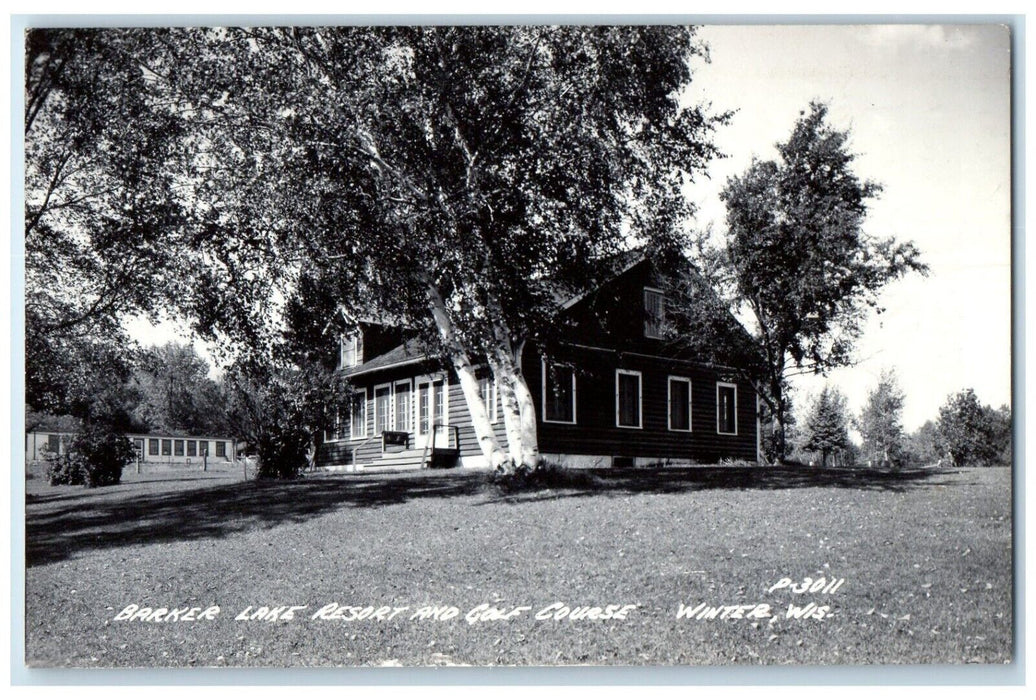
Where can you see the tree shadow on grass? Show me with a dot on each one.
(59, 527)
(577, 484)
(63, 525)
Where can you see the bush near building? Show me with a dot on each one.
(96, 457)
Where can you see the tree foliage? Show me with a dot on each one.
(96, 457)
(826, 428)
(972, 434)
(923, 446)
(446, 178)
(103, 214)
(83, 377)
(176, 393)
(281, 409)
(881, 422)
(797, 258)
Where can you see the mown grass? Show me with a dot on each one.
(925, 554)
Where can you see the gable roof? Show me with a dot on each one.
(410, 352)
(618, 265)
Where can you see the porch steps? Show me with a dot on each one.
(405, 459)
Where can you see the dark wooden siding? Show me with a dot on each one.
(596, 433)
(613, 316)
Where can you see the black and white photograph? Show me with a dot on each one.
(525, 344)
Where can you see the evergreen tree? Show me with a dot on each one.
(826, 429)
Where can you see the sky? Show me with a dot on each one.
(928, 108)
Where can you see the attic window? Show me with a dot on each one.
(352, 350)
(654, 312)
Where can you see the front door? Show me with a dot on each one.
(431, 409)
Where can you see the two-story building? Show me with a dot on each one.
(613, 391)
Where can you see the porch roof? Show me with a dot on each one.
(409, 353)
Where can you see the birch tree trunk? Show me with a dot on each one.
(512, 414)
(487, 441)
(524, 448)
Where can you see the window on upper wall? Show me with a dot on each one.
(559, 393)
(352, 350)
(726, 408)
(654, 312)
(679, 403)
(627, 399)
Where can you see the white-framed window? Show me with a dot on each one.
(487, 389)
(559, 393)
(382, 408)
(628, 399)
(726, 408)
(654, 312)
(680, 404)
(358, 415)
(351, 350)
(401, 406)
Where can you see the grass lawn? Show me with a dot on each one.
(925, 556)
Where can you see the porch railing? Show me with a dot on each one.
(356, 448)
(452, 440)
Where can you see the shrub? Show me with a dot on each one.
(95, 457)
(283, 454)
(66, 470)
(546, 475)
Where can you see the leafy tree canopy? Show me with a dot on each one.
(796, 257)
(176, 393)
(881, 421)
(446, 178)
(102, 210)
(973, 434)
